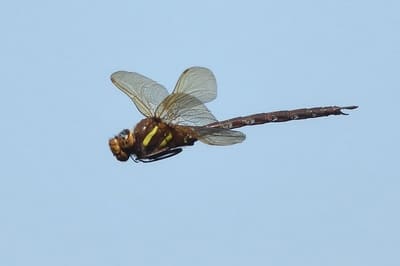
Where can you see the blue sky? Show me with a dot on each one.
(315, 192)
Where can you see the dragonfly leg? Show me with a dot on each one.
(159, 155)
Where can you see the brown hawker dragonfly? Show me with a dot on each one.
(181, 118)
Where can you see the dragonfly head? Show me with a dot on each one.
(122, 145)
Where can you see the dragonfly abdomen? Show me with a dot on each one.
(280, 116)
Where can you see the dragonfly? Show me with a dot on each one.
(181, 118)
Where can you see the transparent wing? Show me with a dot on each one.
(144, 92)
(219, 136)
(199, 82)
(185, 106)
(184, 109)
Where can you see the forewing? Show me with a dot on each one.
(144, 92)
(184, 109)
(199, 82)
(219, 136)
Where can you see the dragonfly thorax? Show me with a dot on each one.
(152, 137)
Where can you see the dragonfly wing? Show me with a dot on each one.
(185, 106)
(144, 92)
(219, 136)
(184, 109)
(199, 82)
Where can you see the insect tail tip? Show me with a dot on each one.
(352, 107)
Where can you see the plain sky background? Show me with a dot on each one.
(313, 192)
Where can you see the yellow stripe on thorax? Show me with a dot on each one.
(166, 140)
(149, 136)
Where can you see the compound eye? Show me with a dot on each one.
(126, 139)
(124, 134)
